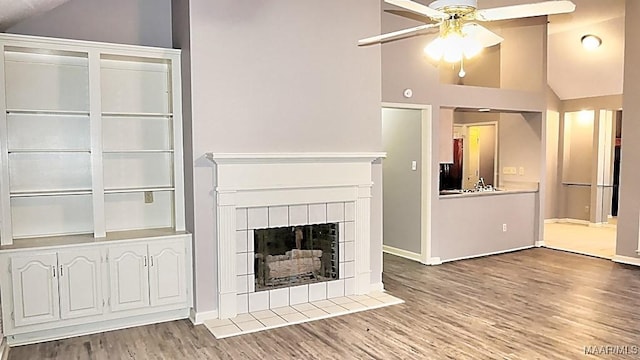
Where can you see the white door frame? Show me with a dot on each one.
(425, 174)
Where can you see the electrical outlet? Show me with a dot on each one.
(586, 209)
(414, 165)
(148, 197)
(504, 227)
(521, 171)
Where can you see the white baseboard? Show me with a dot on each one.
(578, 222)
(402, 253)
(97, 327)
(434, 261)
(574, 221)
(626, 260)
(487, 254)
(377, 287)
(198, 318)
(539, 243)
(603, 225)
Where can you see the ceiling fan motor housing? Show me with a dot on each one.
(457, 7)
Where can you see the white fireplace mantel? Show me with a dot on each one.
(247, 180)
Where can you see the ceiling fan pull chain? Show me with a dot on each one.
(462, 73)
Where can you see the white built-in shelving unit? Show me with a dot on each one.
(92, 228)
(91, 139)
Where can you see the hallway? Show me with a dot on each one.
(581, 239)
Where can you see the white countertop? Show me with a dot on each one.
(488, 193)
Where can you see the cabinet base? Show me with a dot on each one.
(98, 327)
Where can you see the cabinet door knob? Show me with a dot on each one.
(145, 261)
(61, 271)
(53, 268)
(151, 258)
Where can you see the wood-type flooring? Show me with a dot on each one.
(531, 304)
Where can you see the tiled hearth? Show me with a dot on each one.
(256, 191)
(297, 314)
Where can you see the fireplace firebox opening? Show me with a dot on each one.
(295, 255)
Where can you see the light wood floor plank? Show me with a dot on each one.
(532, 304)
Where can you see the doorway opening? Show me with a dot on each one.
(589, 166)
(406, 138)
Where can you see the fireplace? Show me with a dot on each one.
(295, 255)
(320, 203)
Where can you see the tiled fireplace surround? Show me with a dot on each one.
(248, 219)
(255, 191)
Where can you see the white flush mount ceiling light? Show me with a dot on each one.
(591, 42)
(459, 37)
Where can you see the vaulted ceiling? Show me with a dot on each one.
(572, 71)
(13, 11)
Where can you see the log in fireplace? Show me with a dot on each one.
(295, 255)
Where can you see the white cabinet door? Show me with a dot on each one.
(35, 288)
(167, 280)
(80, 278)
(129, 281)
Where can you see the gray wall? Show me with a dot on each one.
(279, 76)
(473, 225)
(570, 201)
(627, 240)
(401, 139)
(521, 146)
(577, 161)
(135, 22)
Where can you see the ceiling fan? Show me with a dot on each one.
(459, 38)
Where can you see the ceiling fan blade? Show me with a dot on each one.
(485, 36)
(419, 9)
(395, 34)
(526, 10)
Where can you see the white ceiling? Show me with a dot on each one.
(572, 72)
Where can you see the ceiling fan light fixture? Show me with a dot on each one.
(453, 47)
(591, 42)
(435, 49)
(472, 47)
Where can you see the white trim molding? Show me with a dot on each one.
(539, 243)
(578, 222)
(198, 318)
(626, 260)
(434, 261)
(488, 254)
(377, 287)
(253, 180)
(401, 253)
